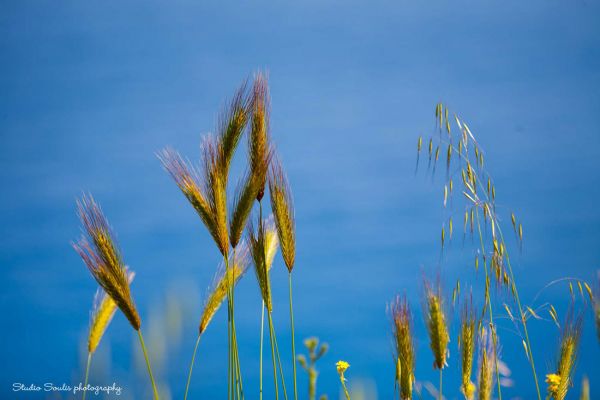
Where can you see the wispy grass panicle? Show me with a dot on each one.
(215, 187)
(223, 279)
(258, 142)
(466, 344)
(404, 345)
(102, 257)
(437, 327)
(263, 245)
(561, 380)
(283, 210)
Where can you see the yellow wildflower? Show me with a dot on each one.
(342, 366)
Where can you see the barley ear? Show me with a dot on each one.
(283, 210)
(103, 258)
(258, 144)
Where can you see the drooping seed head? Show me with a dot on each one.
(103, 258)
(231, 125)
(283, 210)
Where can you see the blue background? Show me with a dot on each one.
(92, 90)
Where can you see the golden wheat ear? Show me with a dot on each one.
(246, 192)
(223, 280)
(263, 246)
(283, 210)
(102, 314)
(466, 345)
(103, 258)
(561, 381)
(258, 141)
(404, 346)
(215, 189)
(231, 125)
(436, 325)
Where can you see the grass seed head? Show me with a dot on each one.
(259, 132)
(404, 345)
(283, 210)
(263, 245)
(436, 325)
(103, 258)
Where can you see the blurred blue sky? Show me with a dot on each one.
(91, 90)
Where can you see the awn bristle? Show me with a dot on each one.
(259, 132)
(237, 268)
(283, 210)
(101, 315)
(102, 257)
(404, 344)
(560, 381)
(215, 186)
(436, 326)
(263, 245)
(466, 344)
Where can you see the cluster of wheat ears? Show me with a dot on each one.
(205, 187)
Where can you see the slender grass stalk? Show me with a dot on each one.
(154, 389)
(87, 372)
(293, 338)
(260, 362)
(487, 279)
(280, 366)
(341, 367)
(187, 385)
(271, 336)
(441, 375)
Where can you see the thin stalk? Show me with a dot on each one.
(441, 374)
(154, 390)
(236, 359)
(514, 286)
(523, 320)
(280, 365)
(189, 378)
(271, 334)
(87, 372)
(260, 362)
(345, 388)
(485, 267)
(293, 339)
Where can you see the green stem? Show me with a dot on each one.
(260, 363)
(487, 279)
(271, 334)
(345, 388)
(236, 359)
(280, 366)
(189, 378)
(441, 374)
(87, 372)
(293, 339)
(154, 389)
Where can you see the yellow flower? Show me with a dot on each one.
(553, 381)
(342, 366)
